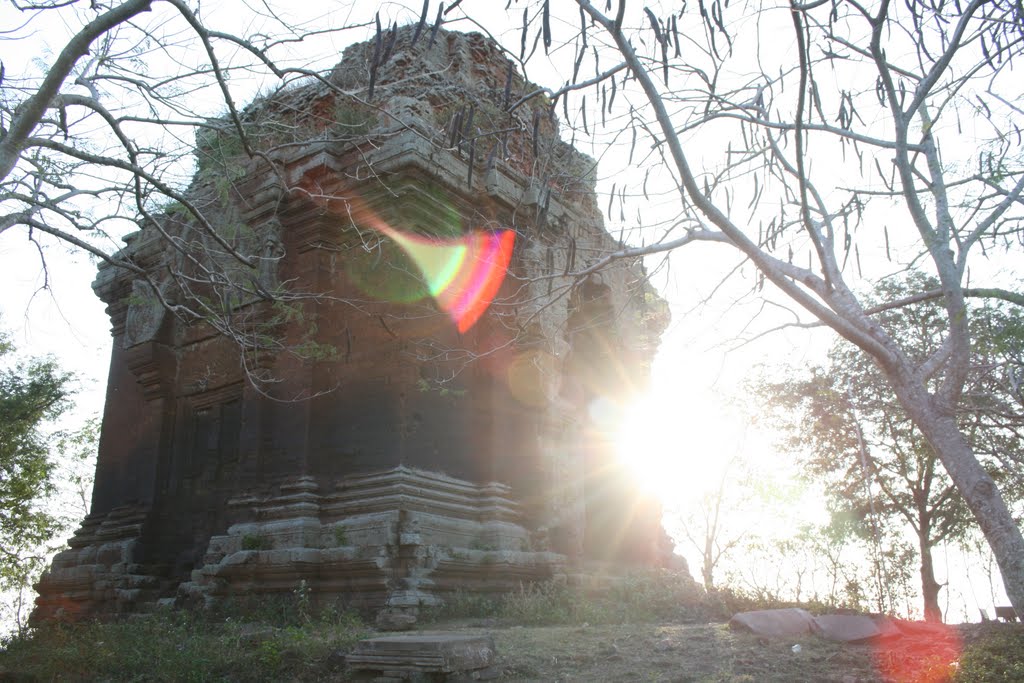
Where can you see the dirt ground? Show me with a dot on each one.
(684, 653)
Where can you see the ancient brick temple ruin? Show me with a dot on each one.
(381, 456)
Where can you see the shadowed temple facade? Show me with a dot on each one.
(404, 393)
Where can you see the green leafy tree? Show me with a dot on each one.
(878, 469)
(77, 467)
(32, 394)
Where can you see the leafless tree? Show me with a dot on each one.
(107, 136)
(708, 526)
(805, 134)
(136, 124)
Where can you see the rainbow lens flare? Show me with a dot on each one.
(464, 273)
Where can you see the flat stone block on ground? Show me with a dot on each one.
(854, 628)
(774, 623)
(423, 653)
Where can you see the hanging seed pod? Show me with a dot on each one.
(536, 134)
(390, 45)
(455, 134)
(507, 100)
(522, 45)
(654, 25)
(617, 26)
(570, 259)
(422, 22)
(546, 24)
(375, 60)
(437, 25)
(467, 130)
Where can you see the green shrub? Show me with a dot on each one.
(552, 602)
(298, 607)
(256, 542)
(641, 597)
(353, 120)
(996, 657)
(464, 605)
(655, 595)
(721, 604)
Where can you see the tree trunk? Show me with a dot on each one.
(972, 481)
(708, 569)
(929, 586)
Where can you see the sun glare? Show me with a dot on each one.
(675, 447)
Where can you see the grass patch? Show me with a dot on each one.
(640, 598)
(996, 655)
(183, 646)
(643, 597)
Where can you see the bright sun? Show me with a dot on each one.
(677, 446)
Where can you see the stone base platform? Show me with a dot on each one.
(389, 542)
(101, 567)
(424, 657)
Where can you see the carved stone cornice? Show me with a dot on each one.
(152, 364)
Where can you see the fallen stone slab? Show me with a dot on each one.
(424, 656)
(774, 623)
(854, 628)
(923, 629)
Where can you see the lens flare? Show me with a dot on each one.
(926, 653)
(463, 274)
(463, 271)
